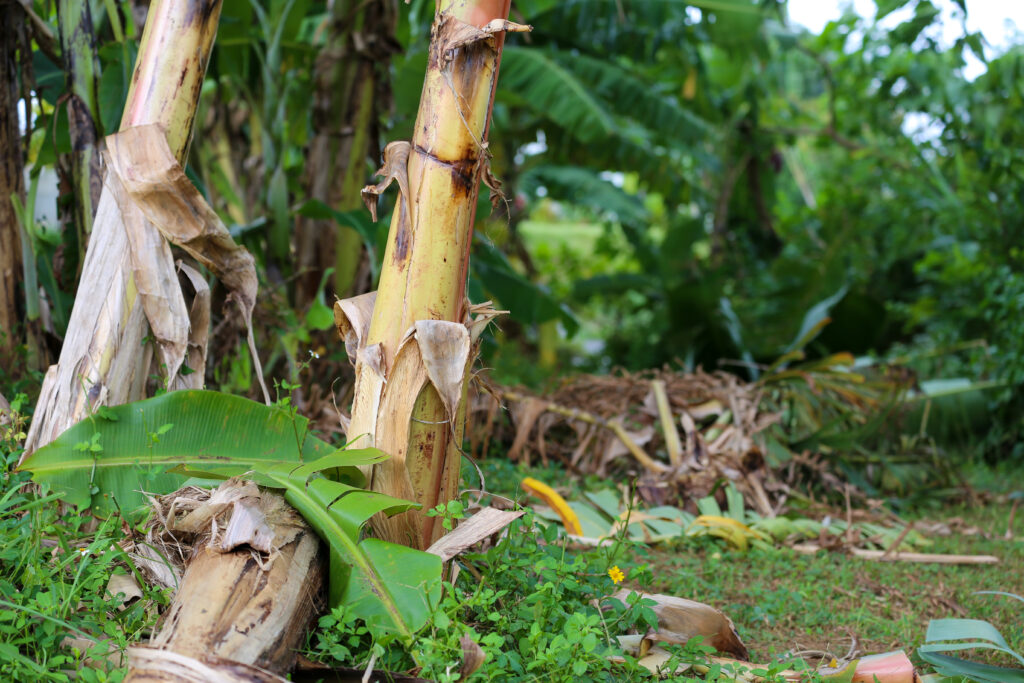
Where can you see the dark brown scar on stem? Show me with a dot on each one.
(200, 12)
(464, 171)
(402, 238)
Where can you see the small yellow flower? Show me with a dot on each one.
(616, 575)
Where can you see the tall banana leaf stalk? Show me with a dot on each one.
(13, 40)
(100, 362)
(413, 341)
(81, 64)
(350, 91)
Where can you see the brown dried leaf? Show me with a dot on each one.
(155, 567)
(156, 182)
(444, 348)
(124, 584)
(153, 271)
(453, 34)
(524, 414)
(473, 657)
(479, 316)
(759, 499)
(395, 168)
(585, 434)
(616, 448)
(373, 358)
(485, 523)
(248, 526)
(201, 515)
(694, 446)
(199, 330)
(352, 318)
(492, 182)
(141, 161)
(680, 619)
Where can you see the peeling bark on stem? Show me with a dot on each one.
(247, 595)
(398, 404)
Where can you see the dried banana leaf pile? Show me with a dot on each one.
(683, 434)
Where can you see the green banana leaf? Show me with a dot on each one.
(959, 669)
(978, 634)
(391, 587)
(108, 460)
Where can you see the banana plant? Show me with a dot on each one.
(109, 461)
(410, 342)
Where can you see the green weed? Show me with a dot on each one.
(57, 620)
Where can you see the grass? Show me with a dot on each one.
(781, 601)
(56, 613)
(529, 601)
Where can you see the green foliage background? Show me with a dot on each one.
(686, 183)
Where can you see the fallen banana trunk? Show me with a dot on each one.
(253, 586)
(152, 665)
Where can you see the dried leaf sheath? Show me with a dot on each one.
(153, 192)
(247, 595)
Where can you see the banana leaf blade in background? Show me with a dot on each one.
(107, 461)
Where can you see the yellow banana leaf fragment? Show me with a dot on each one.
(541, 490)
(738, 534)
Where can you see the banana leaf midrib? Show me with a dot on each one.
(114, 462)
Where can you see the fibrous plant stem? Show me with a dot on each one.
(423, 275)
(350, 89)
(12, 41)
(81, 66)
(102, 361)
